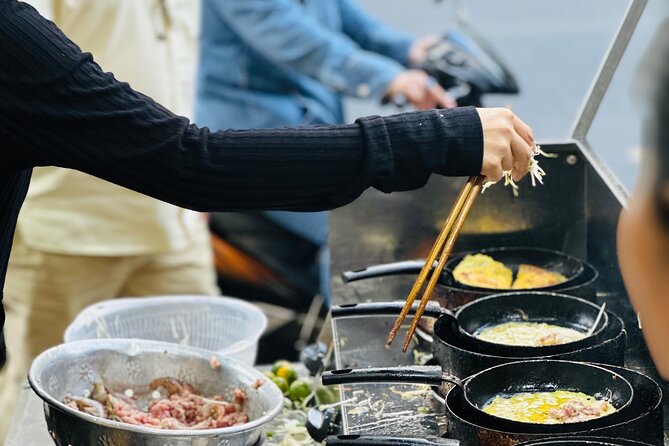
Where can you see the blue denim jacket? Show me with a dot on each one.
(277, 63)
(274, 63)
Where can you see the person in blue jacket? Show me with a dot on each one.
(277, 63)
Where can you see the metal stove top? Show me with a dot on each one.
(575, 211)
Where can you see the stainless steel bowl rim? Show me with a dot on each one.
(134, 346)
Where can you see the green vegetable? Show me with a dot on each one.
(327, 396)
(286, 372)
(281, 383)
(280, 363)
(299, 390)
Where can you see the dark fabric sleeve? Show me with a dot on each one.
(57, 107)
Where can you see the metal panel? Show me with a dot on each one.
(575, 211)
(380, 228)
(608, 69)
(596, 95)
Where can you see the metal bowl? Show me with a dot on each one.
(124, 363)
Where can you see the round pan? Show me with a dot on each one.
(457, 359)
(371, 440)
(498, 309)
(512, 257)
(450, 294)
(538, 307)
(516, 377)
(642, 420)
(583, 441)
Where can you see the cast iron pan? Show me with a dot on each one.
(517, 377)
(346, 440)
(468, 320)
(554, 261)
(512, 257)
(373, 440)
(450, 294)
(457, 359)
(642, 420)
(583, 441)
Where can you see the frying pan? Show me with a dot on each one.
(517, 377)
(642, 420)
(512, 257)
(497, 309)
(374, 440)
(451, 294)
(457, 359)
(344, 440)
(583, 441)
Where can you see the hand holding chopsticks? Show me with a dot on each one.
(508, 147)
(441, 250)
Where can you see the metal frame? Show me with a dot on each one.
(596, 95)
(576, 211)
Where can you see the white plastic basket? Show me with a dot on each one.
(227, 326)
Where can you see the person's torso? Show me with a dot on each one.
(151, 44)
(239, 88)
(13, 187)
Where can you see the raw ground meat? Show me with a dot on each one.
(177, 406)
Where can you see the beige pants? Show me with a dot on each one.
(44, 292)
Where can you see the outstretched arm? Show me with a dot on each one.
(57, 107)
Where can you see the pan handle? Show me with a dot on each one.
(386, 269)
(374, 440)
(430, 375)
(433, 309)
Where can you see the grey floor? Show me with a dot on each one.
(554, 48)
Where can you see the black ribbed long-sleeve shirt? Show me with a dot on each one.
(58, 108)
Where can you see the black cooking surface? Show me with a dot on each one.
(575, 212)
(386, 409)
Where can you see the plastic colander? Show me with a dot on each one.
(227, 326)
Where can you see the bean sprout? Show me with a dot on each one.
(536, 172)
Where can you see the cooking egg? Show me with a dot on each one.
(529, 334)
(561, 406)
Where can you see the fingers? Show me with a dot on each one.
(418, 96)
(439, 97)
(522, 153)
(421, 90)
(507, 144)
(419, 50)
(493, 171)
(507, 163)
(523, 130)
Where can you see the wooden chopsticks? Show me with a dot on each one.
(442, 249)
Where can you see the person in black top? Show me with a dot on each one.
(57, 107)
(643, 229)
